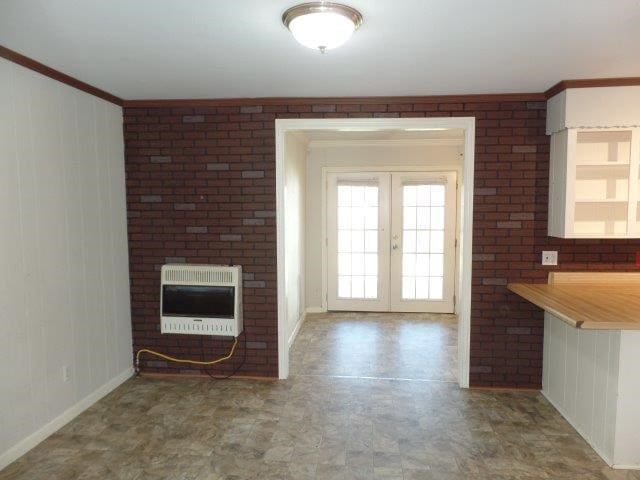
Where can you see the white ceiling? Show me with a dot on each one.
(140, 49)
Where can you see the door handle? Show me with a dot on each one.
(394, 246)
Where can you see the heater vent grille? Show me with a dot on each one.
(198, 274)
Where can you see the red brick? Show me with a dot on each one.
(209, 158)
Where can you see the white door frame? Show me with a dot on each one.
(435, 167)
(466, 217)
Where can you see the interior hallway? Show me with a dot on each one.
(418, 346)
(348, 412)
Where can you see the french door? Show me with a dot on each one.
(391, 241)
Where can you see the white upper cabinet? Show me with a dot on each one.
(594, 174)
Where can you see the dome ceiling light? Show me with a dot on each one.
(322, 25)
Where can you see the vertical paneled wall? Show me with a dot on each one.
(64, 291)
(580, 378)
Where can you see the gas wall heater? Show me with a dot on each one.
(201, 299)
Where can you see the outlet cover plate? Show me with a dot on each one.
(549, 257)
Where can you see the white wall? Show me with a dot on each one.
(361, 156)
(294, 231)
(64, 295)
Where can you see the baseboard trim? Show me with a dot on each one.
(315, 310)
(61, 420)
(626, 467)
(296, 330)
(183, 376)
(504, 389)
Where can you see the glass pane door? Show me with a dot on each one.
(423, 242)
(391, 241)
(357, 240)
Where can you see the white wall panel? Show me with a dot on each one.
(572, 366)
(557, 355)
(64, 299)
(585, 385)
(615, 365)
(581, 380)
(545, 352)
(601, 396)
(627, 421)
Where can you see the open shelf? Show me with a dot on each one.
(593, 177)
(603, 147)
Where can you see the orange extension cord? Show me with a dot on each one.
(181, 360)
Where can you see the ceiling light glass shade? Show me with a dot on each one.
(322, 25)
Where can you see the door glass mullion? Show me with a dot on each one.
(423, 213)
(358, 210)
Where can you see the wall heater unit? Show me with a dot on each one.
(201, 299)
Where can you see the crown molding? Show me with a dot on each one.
(223, 102)
(41, 68)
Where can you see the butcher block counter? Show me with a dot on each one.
(591, 357)
(604, 306)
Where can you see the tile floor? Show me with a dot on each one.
(382, 345)
(338, 417)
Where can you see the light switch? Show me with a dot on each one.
(549, 257)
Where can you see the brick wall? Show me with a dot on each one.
(201, 189)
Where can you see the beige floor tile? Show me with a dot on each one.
(370, 397)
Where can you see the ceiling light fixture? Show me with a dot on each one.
(322, 25)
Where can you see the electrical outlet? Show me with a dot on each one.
(65, 373)
(549, 257)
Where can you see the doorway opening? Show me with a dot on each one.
(387, 232)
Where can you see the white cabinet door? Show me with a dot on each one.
(391, 241)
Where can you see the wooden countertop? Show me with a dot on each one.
(594, 306)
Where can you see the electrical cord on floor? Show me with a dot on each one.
(182, 360)
(235, 370)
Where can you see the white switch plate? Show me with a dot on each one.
(65, 373)
(549, 257)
